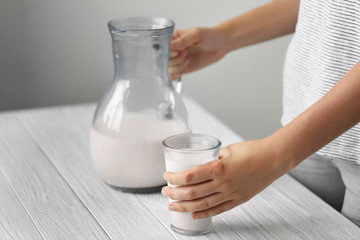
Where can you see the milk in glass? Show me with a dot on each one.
(178, 163)
(182, 152)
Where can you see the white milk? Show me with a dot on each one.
(133, 157)
(177, 162)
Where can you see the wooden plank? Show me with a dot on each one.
(263, 217)
(256, 220)
(52, 205)
(157, 204)
(121, 214)
(15, 223)
(307, 211)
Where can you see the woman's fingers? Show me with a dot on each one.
(189, 192)
(174, 76)
(176, 71)
(220, 208)
(178, 65)
(196, 174)
(183, 39)
(176, 34)
(178, 59)
(174, 54)
(199, 204)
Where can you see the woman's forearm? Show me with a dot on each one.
(336, 112)
(272, 20)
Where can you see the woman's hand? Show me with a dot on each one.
(243, 170)
(195, 48)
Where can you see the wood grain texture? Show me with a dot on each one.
(309, 211)
(255, 220)
(15, 223)
(157, 204)
(65, 142)
(285, 210)
(258, 219)
(51, 203)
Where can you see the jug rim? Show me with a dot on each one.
(129, 25)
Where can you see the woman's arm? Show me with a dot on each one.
(247, 168)
(336, 112)
(272, 20)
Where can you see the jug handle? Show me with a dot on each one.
(177, 85)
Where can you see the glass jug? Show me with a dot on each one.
(141, 107)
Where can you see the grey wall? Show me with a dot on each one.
(59, 52)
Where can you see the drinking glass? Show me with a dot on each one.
(182, 152)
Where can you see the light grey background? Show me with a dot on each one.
(59, 52)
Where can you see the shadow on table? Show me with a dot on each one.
(139, 190)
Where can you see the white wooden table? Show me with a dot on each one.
(49, 190)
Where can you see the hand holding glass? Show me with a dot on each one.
(182, 152)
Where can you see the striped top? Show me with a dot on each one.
(325, 46)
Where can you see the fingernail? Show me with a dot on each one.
(165, 175)
(174, 54)
(195, 216)
(172, 207)
(175, 76)
(175, 43)
(163, 191)
(186, 62)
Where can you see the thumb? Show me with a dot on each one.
(189, 38)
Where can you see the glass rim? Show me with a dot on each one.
(166, 146)
(123, 25)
